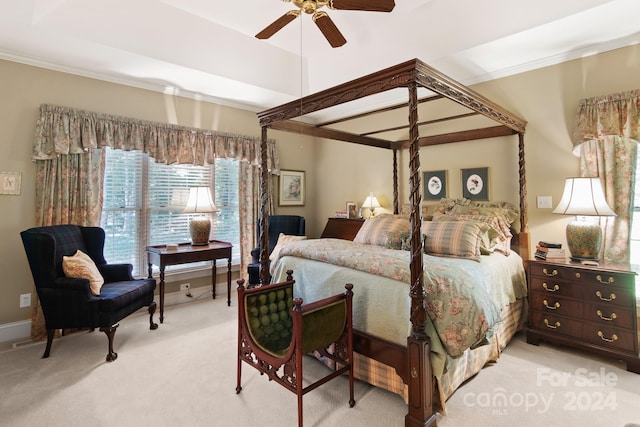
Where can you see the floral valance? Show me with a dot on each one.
(610, 115)
(63, 130)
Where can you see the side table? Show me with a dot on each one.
(187, 253)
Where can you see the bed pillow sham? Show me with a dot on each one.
(383, 230)
(500, 243)
(283, 240)
(499, 236)
(457, 239)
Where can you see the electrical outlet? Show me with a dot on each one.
(25, 300)
(185, 287)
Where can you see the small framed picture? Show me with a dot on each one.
(352, 210)
(291, 188)
(10, 183)
(435, 185)
(475, 183)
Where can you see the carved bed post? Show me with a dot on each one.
(264, 210)
(523, 242)
(418, 343)
(396, 202)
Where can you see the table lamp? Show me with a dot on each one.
(371, 202)
(200, 226)
(584, 197)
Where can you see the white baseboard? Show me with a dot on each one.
(20, 331)
(15, 331)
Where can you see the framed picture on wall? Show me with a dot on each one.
(475, 183)
(434, 184)
(10, 183)
(291, 188)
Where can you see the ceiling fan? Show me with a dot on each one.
(321, 18)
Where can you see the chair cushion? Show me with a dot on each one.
(81, 266)
(116, 295)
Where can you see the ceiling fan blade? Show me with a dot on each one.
(329, 29)
(278, 24)
(367, 5)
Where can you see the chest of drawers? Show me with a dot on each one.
(588, 307)
(342, 228)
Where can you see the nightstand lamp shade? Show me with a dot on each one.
(584, 197)
(200, 226)
(371, 203)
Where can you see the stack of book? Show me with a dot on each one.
(550, 252)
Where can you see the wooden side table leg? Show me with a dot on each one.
(229, 282)
(161, 294)
(213, 278)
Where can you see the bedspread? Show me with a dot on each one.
(463, 298)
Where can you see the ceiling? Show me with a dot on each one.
(206, 49)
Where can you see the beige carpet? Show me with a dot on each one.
(184, 374)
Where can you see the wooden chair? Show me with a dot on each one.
(275, 331)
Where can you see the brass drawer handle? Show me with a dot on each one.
(551, 307)
(612, 317)
(555, 326)
(611, 297)
(546, 288)
(553, 273)
(613, 338)
(609, 281)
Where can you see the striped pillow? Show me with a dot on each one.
(383, 230)
(502, 241)
(457, 239)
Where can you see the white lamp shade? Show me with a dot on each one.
(371, 202)
(200, 201)
(583, 197)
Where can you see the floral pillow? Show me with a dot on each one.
(283, 240)
(81, 266)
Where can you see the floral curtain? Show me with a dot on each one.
(606, 139)
(249, 212)
(70, 164)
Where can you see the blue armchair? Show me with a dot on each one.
(292, 225)
(68, 303)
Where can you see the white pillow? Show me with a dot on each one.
(81, 266)
(283, 240)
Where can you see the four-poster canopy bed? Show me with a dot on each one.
(412, 360)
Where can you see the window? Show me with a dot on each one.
(143, 203)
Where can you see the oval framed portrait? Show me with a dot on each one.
(434, 185)
(475, 183)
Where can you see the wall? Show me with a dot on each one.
(547, 98)
(336, 172)
(24, 88)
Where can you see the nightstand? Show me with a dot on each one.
(587, 307)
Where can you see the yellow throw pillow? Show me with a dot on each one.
(283, 240)
(81, 266)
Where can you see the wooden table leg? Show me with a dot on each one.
(213, 278)
(229, 282)
(161, 294)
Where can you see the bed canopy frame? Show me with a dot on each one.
(411, 362)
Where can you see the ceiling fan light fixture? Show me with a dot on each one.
(321, 19)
